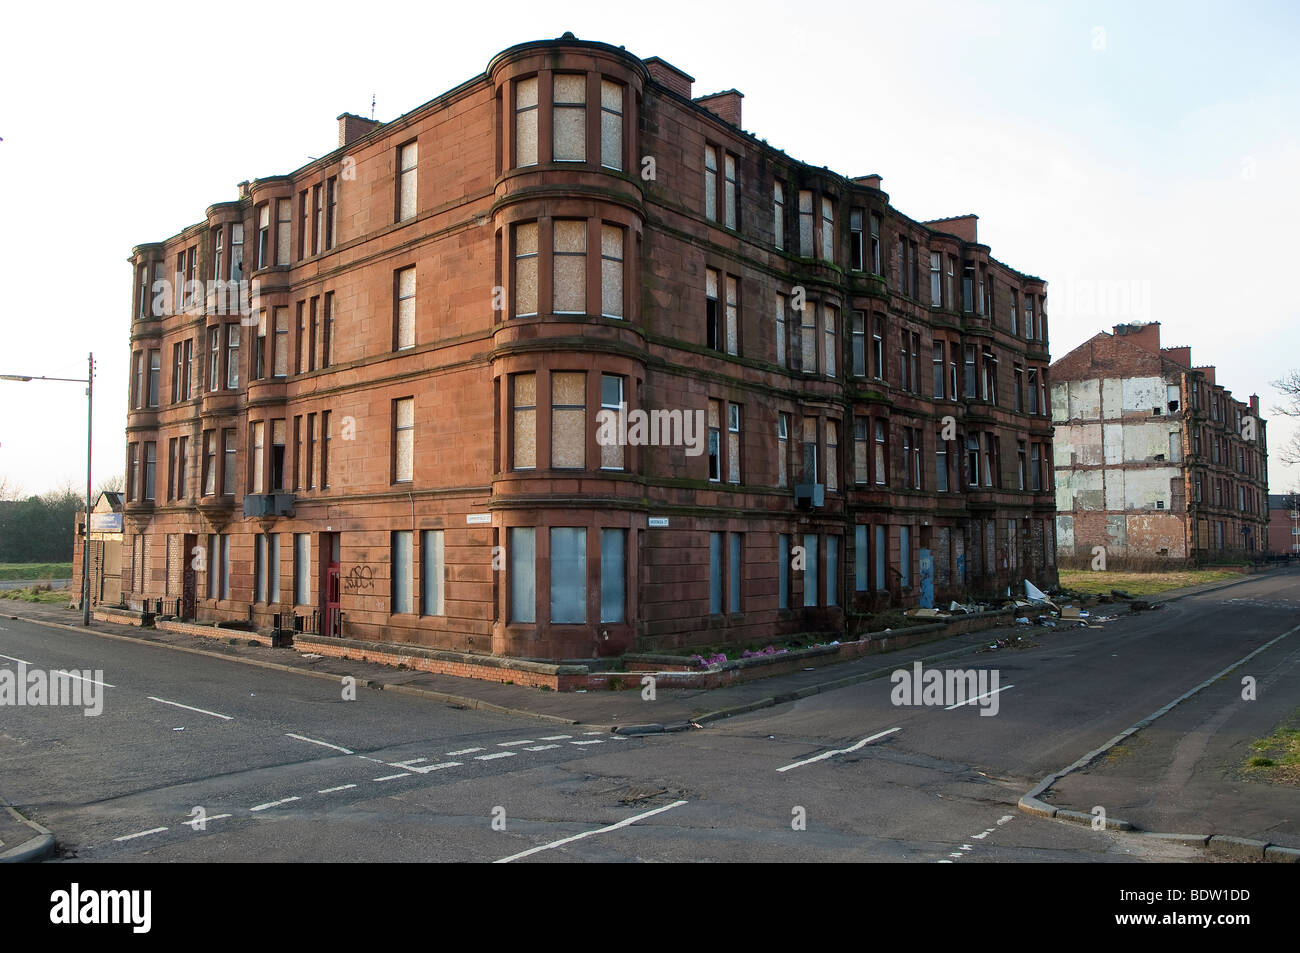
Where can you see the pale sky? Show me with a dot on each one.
(1150, 148)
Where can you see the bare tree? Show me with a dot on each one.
(9, 489)
(113, 484)
(1290, 388)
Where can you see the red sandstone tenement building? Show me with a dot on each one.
(1284, 524)
(402, 433)
(1154, 459)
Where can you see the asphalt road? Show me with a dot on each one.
(284, 768)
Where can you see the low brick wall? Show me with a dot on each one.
(669, 671)
(491, 668)
(120, 616)
(212, 631)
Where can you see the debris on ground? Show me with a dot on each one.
(1120, 594)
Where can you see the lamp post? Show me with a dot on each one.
(89, 381)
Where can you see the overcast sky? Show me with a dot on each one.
(1144, 147)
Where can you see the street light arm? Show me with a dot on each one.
(26, 377)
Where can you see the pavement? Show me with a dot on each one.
(915, 791)
(674, 709)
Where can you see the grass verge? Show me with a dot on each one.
(1140, 583)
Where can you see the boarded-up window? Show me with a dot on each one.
(280, 345)
(782, 449)
(283, 218)
(832, 456)
(526, 121)
(828, 230)
(525, 269)
(611, 271)
(861, 462)
(711, 183)
(733, 316)
(431, 572)
(525, 420)
(613, 575)
(569, 263)
(611, 125)
(403, 440)
(780, 330)
(778, 214)
(568, 574)
(733, 443)
(729, 189)
(404, 319)
(832, 341)
(259, 457)
(402, 569)
(569, 120)
(408, 158)
(568, 412)
(808, 338)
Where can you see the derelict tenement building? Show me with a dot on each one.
(1155, 460)
(402, 431)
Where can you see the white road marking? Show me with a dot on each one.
(955, 854)
(452, 754)
(391, 777)
(215, 817)
(368, 758)
(283, 800)
(12, 659)
(313, 741)
(425, 769)
(603, 830)
(201, 711)
(593, 732)
(83, 678)
(594, 741)
(828, 754)
(499, 754)
(156, 830)
(556, 737)
(978, 697)
(341, 787)
(511, 744)
(541, 747)
(406, 764)
(1004, 818)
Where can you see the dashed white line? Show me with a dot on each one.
(155, 830)
(407, 764)
(828, 754)
(593, 732)
(341, 787)
(268, 804)
(498, 754)
(1004, 818)
(978, 697)
(201, 711)
(511, 744)
(541, 747)
(313, 741)
(425, 769)
(556, 737)
(24, 662)
(452, 754)
(83, 678)
(392, 777)
(569, 840)
(206, 820)
(594, 741)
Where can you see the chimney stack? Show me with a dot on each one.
(725, 105)
(670, 77)
(353, 127)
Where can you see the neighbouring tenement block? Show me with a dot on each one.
(564, 363)
(1154, 460)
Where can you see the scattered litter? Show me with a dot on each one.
(312, 655)
(1033, 593)
(925, 613)
(809, 669)
(1047, 623)
(1022, 621)
(1120, 594)
(178, 729)
(581, 691)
